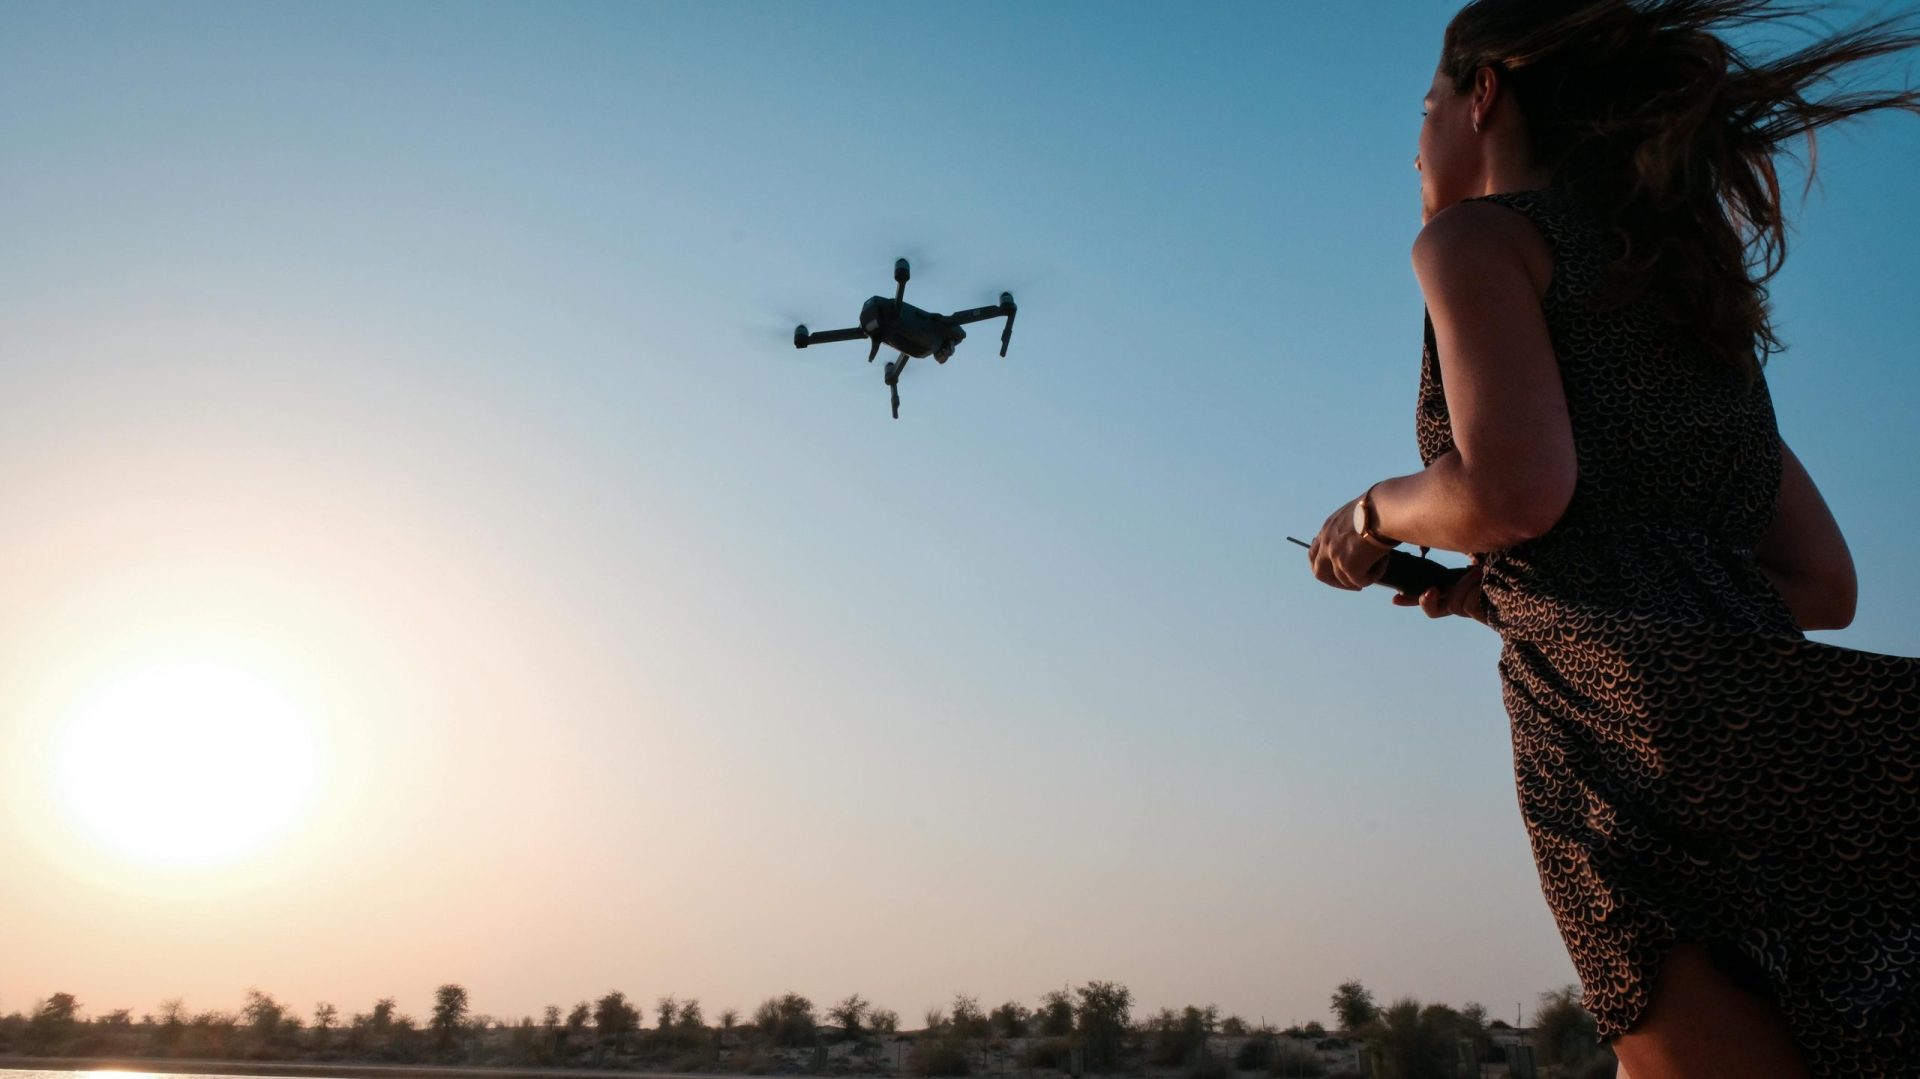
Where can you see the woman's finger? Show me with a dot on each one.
(1432, 602)
(1457, 598)
(1327, 572)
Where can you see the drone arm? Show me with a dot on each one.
(801, 338)
(1006, 307)
(977, 314)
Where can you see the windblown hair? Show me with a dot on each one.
(1639, 110)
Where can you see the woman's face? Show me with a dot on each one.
(1448, 161)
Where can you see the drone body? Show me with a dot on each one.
(909, 330)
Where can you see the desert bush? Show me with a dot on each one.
(938, 1054)
(787, 1021)
(1294, 1060)
(1353, 1005)
(1055, 1015)
(851, 1016)
(1256, 1053)
(1564, 1030)
(1048, 1053)
(1209, 1066)
(1102, 1016)
(1411, 1042)
(1010, 1020)
(1177, 1037)
(688, 1062)
(54, 1026)
(967, 1020)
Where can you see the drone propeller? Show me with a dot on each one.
(771, 326)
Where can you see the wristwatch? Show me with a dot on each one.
(1364, 522)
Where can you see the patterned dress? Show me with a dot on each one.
(1689, 766)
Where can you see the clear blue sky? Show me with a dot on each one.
(447, 346)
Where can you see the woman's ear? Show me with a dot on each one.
(1487, 85)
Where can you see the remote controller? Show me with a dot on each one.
(1410, 574)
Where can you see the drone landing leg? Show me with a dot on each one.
(894, 371)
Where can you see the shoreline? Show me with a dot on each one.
(343, 1069)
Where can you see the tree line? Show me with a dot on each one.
(1091, 1028)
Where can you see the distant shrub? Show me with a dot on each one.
(1010, 1020)
(1210, 1066)
(967, 1019)
(1256, 1053)
(1292, 1060)
(786, 1021)
(1048, 1053)
(1179, 1037)
(938, 1055)
(1564, 1030)
(1055, 1015)
(1102, 1016)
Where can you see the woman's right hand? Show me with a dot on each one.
(1462, 598)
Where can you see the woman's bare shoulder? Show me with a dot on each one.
(1471, 232)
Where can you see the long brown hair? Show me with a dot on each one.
(1640, 111)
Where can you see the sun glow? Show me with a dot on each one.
(186, 764)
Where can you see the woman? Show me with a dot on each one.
(1725, 816)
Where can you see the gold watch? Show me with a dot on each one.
(1364, 522)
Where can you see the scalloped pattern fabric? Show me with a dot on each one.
(1689, 766)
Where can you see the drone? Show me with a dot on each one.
(915, 333)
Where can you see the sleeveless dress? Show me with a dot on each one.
(1689, 766)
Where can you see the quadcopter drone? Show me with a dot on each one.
(900, 325)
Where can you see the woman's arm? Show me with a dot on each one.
(1511, 472)
(1804, 555)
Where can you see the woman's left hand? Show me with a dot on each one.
(1341, 558)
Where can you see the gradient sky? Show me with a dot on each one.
(434, 359)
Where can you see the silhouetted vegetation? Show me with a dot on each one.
(786, 1021)
(613, 1020)
(1054, 1017)
(1074, 1030)
(1181, 1037)
(850, 1015)
(1353, 1006)
(1564, 1030)
(1101, 1018)
(966, 1021)
(939, 1051)
(449, 1016)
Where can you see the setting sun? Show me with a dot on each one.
(186, 764)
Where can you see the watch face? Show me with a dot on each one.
(1360, 517)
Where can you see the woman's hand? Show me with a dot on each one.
(1343, 559)
(1462, 598)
